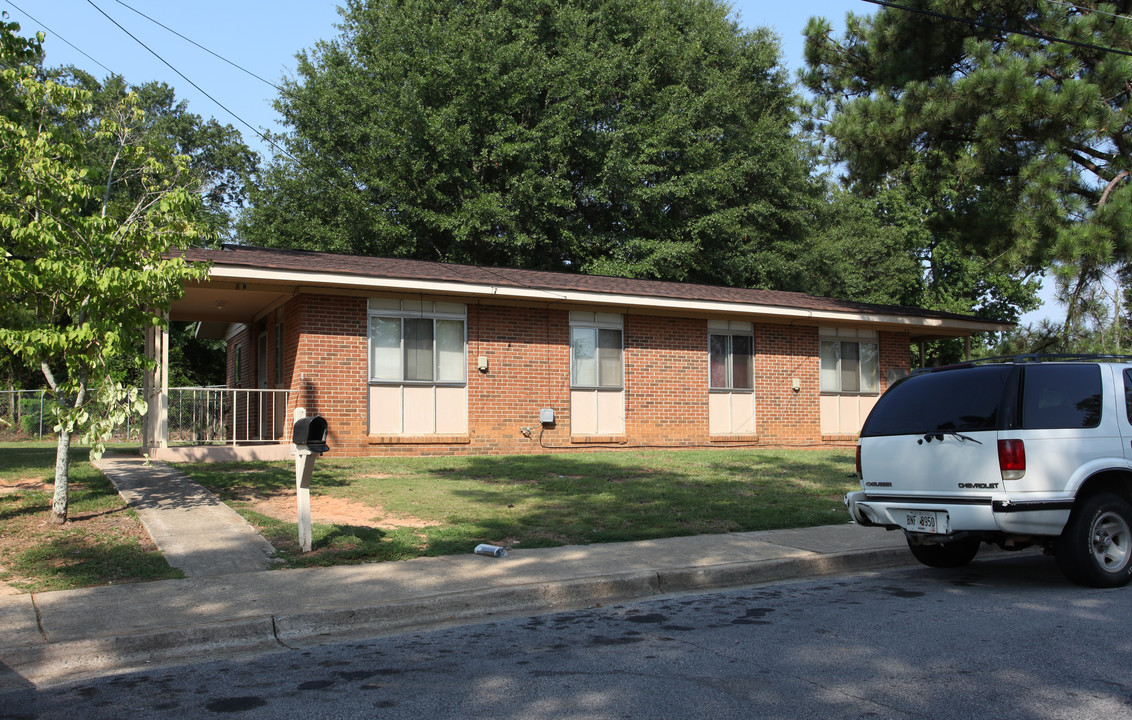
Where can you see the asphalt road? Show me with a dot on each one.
(1003, 638)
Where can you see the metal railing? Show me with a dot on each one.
(220, 415)
(197, 416)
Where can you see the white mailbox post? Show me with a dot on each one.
(309, 440)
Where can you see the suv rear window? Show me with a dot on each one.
(1061, 396)
(960, 400)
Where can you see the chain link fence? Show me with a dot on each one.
(25, 414)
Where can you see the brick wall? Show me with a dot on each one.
(241, 340)
(895, 354)
(528, 368)
(666, 378)
(528, 358)
(328, 337)
(784, 353)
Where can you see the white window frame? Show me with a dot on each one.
(597, 322)
(732, 329)
(402, 310)
(831, 379)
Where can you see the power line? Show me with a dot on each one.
(184, 77)
(1075, 6)
(55, 34)
(202, 47)
(280, 90)
(1000, 28)
(202, 91)
(329, 182)
(317, 173)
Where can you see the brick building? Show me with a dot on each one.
(409, 357)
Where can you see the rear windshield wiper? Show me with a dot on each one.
(939, 435)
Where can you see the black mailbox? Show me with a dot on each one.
(311, 433)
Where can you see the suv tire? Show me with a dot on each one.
(956, 553)
(1096, 547)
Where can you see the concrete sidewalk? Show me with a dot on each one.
(194, 530)
(53, 636)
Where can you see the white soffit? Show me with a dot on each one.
(358, 282)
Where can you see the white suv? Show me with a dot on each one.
(1030, 450)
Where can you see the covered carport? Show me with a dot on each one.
(222, 302)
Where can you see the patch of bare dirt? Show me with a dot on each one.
(8, 485)
(328, 509)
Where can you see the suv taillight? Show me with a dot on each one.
(858, 461)
(1012, 459)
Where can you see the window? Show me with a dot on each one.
(731, 402)
(1061, 396)
(961, 400)
(418, 346)
(849, 365)
(595, 350)
(1128, 394)
(239, 364)
(597, 374)
(417, 361)
(730, 353)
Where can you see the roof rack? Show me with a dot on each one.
(1031, 358)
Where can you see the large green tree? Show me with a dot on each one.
(83, 239)
(220, 165)
(647, 138)
(1010, 118)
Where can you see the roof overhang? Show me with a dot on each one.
(239, 293)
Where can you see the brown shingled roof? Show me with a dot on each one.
(363, 266)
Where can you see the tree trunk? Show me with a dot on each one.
(62, 474)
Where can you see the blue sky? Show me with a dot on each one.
(263, 37)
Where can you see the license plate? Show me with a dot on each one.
(924, 521)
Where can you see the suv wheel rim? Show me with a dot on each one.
(1110, 538)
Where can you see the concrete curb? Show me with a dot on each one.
(56, 662)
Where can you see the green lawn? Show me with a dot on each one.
(103, 543)
(543, 500)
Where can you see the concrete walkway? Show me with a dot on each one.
(227, 606)
(196, 532)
